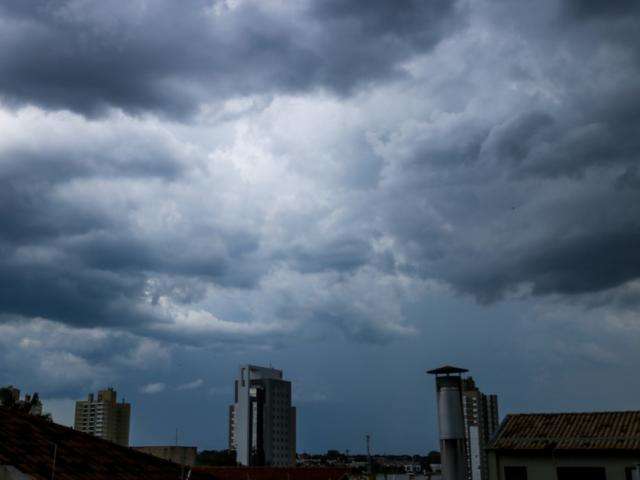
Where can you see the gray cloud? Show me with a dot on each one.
(165, 57)
(507, 175)
(219, 182)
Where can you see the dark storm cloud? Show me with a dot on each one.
(546, 197)
(587, 9)
(124, 251)
(71, 253)
(601, 134)
(68, 293)
(535, 190)
(549, 203)
(341, 255)
(168, 57)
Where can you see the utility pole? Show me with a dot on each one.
(55, 454)
(370, 466)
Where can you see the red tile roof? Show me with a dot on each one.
(570, 431)
(271, 473)
(27, 443)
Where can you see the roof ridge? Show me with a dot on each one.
(596, 412)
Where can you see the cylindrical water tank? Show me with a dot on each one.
(450, 418)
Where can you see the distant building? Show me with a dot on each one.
(567, 446)
(104, 417)
(481, 421)
(173, 453)
(10, 397)
(262, 422)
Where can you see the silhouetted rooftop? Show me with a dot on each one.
(273, 473)
(28, 443)
(447, 370)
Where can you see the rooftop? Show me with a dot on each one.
(447, 370)
(270, 473)
(28, 445)
(569, 431)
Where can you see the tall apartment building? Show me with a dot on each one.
(481, 421)
(104, 417)
(262, 422)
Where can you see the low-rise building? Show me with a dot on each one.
(173, 453)
(566, 446)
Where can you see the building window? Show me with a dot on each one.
(515, 473)
(628, 473)
(581, 473)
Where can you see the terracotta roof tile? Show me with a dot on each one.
(28, 444)
(569, 431)
(267, 473)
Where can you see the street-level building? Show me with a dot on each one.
(567, 446)
(262, 422)
(104, 417)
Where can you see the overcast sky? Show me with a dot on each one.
(351, 190)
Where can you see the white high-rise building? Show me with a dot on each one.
(262, 422)
(481, 421)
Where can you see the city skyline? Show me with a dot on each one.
(353, 191)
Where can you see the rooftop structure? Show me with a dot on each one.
(451, 421)
(567, 446)
(447, 370)
(570, 431)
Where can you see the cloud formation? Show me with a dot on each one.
(246, 173)
(153, 388)
(168, 58)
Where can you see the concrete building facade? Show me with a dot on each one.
(104, 417)
(262, 421)
(481, 421)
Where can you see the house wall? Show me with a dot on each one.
(8, 472)
(542, 465)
